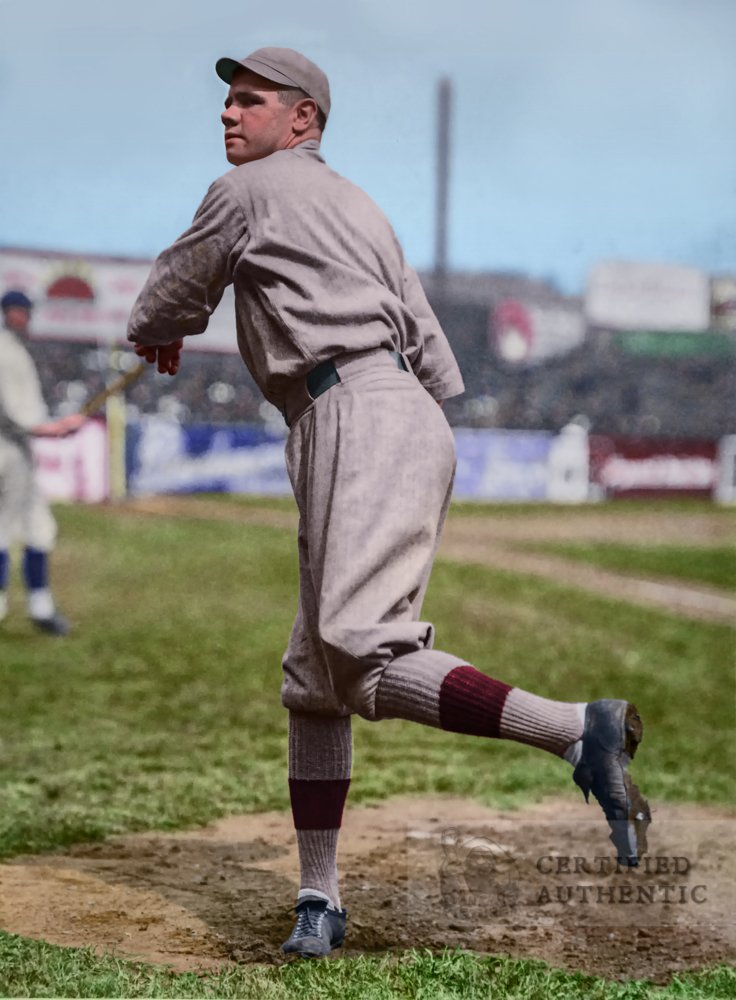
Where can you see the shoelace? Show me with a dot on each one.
(309, 923)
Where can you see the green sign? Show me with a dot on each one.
(676, 344)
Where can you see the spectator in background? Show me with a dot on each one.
(24, 513)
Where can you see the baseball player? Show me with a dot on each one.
(24, 513)
(336, 331)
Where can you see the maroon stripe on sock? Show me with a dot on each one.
(318, 805)
(472, 703)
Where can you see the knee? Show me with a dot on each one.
(355, 666)
(335, 640)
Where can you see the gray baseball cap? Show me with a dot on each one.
(285, 66)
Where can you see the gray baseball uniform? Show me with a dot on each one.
(319, 275)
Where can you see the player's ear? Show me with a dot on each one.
(304, 115)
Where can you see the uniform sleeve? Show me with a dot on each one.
(187, 280)
(428, 349)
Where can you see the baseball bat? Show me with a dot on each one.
(100, 398)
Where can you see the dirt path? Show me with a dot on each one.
(493, 540)
(444, 871)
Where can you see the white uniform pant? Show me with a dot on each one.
(371, 463)
(24, 512)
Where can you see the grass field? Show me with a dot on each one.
(29, 968)
(162, 710)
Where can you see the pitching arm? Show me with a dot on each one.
(187, 280)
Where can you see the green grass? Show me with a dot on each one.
(163, 707)
(715, 566)
(162, 710)
(30, 968)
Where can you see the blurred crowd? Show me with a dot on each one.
(617, 392)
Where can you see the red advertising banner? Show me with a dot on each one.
(647, 467)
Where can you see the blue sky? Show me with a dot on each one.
(582, 129)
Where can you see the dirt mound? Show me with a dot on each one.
(539, 882)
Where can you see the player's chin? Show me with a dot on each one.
(236, 154)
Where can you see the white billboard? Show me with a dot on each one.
(74, 468)
(88, 298)
(628, 296)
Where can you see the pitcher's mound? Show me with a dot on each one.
(416, 873)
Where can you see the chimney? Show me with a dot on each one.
(444, 98)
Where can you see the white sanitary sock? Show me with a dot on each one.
(41, 603)
(316, 894)
(574, 751)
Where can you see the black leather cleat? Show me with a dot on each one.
(55, 625)
(613, 731)
(319, 929)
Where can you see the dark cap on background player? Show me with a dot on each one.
(14, 299)
(284, 66)
(16, 309)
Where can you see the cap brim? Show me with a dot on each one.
(225, 68)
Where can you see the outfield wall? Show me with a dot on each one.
(163, 456)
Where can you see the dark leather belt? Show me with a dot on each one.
(303, 392)
(324, 376)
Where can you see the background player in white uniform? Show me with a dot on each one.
(336, 330)
(25, 517)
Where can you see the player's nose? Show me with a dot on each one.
(229, 117)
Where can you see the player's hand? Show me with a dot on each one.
(166, 356)
(62, 427)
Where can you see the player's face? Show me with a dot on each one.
(256, 122)
(16, 318)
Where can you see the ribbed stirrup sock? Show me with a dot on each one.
(437, 689)
(320, 759)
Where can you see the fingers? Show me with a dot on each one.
(149, 353)
(166, 357)
(169, 358)
(62, 427)
(71, 424)
(75, 421)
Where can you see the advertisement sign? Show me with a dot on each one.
(501, 465)
(522, 333)
(493, 465)
(627, 296)
(167, 457)
(641, 467)
(74, 468)
(89, 298)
